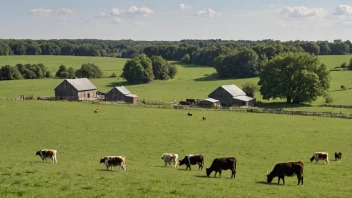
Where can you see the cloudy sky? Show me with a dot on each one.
(176, 19)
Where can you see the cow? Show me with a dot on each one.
(225, 163)
(47, 153)
(97, 111)
(338, 156)
(204, 118)
(111, 161)
(189, 114)
(286, 169)
(320, 156)
(169, 157)
(193, 160)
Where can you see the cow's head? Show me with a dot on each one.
(182, 162)
(311, 159)
(37, 153)
(269, 178)
(208, 171)
(102, 160)
(162, 157)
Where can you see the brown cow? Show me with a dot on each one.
(286, 169)
(320, 156)
(47, 153)
(338, 156)
(225, 163)
(111, 161)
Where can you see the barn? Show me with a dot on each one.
(231, 95)
(75, 89)
(121, 94)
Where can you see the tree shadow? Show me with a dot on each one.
(208, 77)
(187, 65)
(118, 83)
(280, 105)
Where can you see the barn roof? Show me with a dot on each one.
(233, 90)
(211, 100)
(244, 98)
(81, 84)
(123, 90)
(131, 95)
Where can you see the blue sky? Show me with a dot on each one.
(175, 20)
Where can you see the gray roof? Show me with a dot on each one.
(233, 90)
(243, 98)
(81, 84)
(131, 95)
(211, 100)
(123, 90)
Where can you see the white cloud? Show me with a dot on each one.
(301, 12)
(102, 15)
(343, 10)
(116, 21)
(64, 11)
(40, 11)
(137, 23)
(207, 13)
(183, 7)
(131, 12)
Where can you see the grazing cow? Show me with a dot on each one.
(204, 118)
(338, 156)
(97, 111)
(47, 153)
(320, 156)
(286, 169)
(111, 161)
(189, 114)
(193, 160)
(169, 157)
(219, 164)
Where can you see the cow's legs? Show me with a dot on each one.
(233, 174)
(302, 180)
(220, 173)
(215, 173)
(283, 179)
(278, 181)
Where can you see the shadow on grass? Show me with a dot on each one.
(265, 183)
(185, 65)
(208, 77)
(280, 105)
(212, 177)
(118, 83)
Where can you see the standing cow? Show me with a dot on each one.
(170, 158)
(338, 156)
(286, 169)
(219, 164)
(320, 156)
(193, 160)
(111, 161)
(47, 153)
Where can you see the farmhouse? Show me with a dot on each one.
(75, 89)
(231, 95)
(121, 94)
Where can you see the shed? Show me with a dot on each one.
(117, 94)
(131, 98)
(75, 89)
(210, 103)
(231, 95)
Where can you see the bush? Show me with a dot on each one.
(113, 75)
(328, 99)
(250, 88)
(172, 71)
(343, 65)
(138, 70)
(343, 87)
(186, 58)
(8, 72)
(89, 70)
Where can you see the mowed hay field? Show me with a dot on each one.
(192, 81)
(82, 137)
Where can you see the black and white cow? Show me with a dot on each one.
(189, 160)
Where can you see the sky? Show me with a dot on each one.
(176, 19)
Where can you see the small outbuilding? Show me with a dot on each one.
(231, 95)
(121, 94)
(210, 103)
(75, 89)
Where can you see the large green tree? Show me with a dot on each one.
(160, 68)
(89, 70)
(138, 70)
(298, 77)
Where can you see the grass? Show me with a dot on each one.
(82, 137)
(192, 81)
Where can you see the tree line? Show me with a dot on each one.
(26, 71)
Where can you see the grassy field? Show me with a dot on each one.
(258, 141)
(192, 81)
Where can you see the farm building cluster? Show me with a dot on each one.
(83, 89)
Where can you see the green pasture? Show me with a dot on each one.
(192, 81)
(82, 137)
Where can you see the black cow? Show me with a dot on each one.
(189, 114)
(338, 156)
(225, 163)
(193, 160)
(204, 118)
(286, 169)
